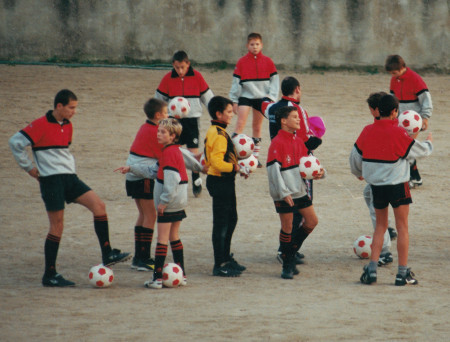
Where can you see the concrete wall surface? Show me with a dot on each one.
(296, 33)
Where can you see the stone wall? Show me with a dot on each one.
(296, 33)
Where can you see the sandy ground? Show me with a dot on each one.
(325, 302)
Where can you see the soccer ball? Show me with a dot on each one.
(244, 145)
(363, 246)
(251, 163)
(172, 275)
(309, 167)
(411, 121)
(101, 276)
(179, 107)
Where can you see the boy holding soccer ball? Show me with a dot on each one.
(222, 162)
(184, 81)
(287, 189)
(413, 94)
(379, 156)
(50, 137)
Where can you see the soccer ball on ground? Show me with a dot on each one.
(363, 246)
(309, 167)
(172, 275)
(179, 107)
(251, 163)
(244, 145)
(411, 121)
(101, 276)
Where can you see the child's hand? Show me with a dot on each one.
(430, 137)
(161, 208)
(205, 169)
(34, 173)
(361, 178)
(414, 135)
(288, 199)
(123, 169)
(320, 174)
(424, 124)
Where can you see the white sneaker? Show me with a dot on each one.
(153, 284)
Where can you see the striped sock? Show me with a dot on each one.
(160, 258)
(177, 252)
(146, 242)
(102, 231)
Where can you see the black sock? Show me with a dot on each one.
(137, 241)
(51, 252)
(102, 231)
(177, 252)
(146, 243)
(300, 236)
(160, 258)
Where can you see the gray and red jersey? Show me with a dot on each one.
(412, 92)
(192, 86)
(380, 152)
(283, 161)
(49, 141)
(254, 77)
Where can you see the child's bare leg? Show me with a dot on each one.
(92, 201)
(401, 221)
(242, 114)
(149, 213)
(378, 235)
(56, 220)
(309, 214)
(140, 219)
(258, 119)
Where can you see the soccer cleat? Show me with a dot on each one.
(56, 280)
(392, 233)
(368, 277)
(227, 270)
(236, 265)
(114, 257)
(145, 265)
(287, 273)
(385, 259)
(406, 280)
(184, 281)
(134, 263)
(153, 284)
(280, 257)
(295, 270)
(298, 258)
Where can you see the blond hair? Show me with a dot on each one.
(173, 126)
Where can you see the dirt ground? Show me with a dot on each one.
(325, 302)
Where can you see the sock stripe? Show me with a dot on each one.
(176, 245)
(285, 237)
(53, 238)
(101, 218)
(161, 250)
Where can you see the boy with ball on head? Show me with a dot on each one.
(379, 156)
(255, 77)
(187, 82)
(287, 189)
(50, 137)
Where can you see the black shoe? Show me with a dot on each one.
(392, 233)
(196, 190)
(114, 257)
(145, 265)
(226, 270)
(407, 280)
(287, 273)
(236, 265)
(299, 258)
(385, 259)
(368, 277)
(56, 280)
(295, 270)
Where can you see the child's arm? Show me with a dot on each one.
(426, 106)
(356, 163)
(190, 161)
(217, 155)
(274, 86)
(421, 149)
(278, 188)
(18, 143)
(171, 182)
(236, 88)
(140, 170)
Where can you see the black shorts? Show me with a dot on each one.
(396, 195)
(190, 133)
(57, 189)
(254, 103)
(140, 189)
(171, 217)
(299, 203)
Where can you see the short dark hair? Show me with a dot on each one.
(64, 97)
(218, 104)
(180, 56)
(288, 85)
(283, 113)
(153, 106)
(387, 104)
(254, 35)
(394, 62)
(374, 99)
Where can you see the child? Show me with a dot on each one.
(184, 81)
(50, 137)
(287, 188)
(255, 77)
(221, 158)
(379, 157)
(145, 150)
(292, 93)
(413, 94)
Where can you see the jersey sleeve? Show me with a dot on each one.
(162, 92)
(277, 186)
(355, 161)
(217, 154)
(18, 142)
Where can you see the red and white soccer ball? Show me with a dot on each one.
(411, 121)
(101, 276)
(172, 275)
(251, 163)
(244, 145)
(363, 246)
(309, 167)
(179, 107)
